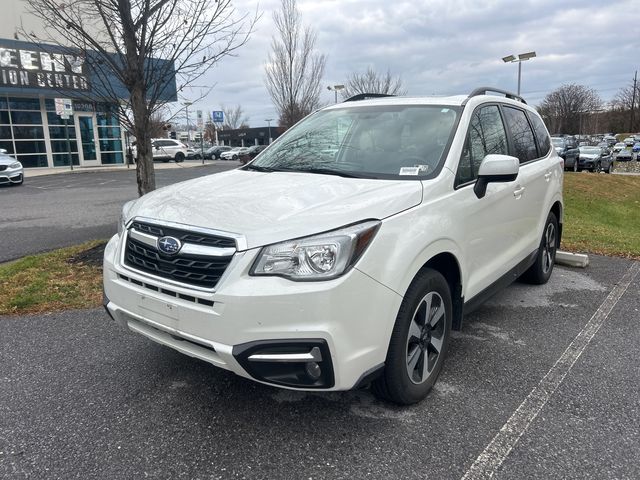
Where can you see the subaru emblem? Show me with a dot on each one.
(169, 245)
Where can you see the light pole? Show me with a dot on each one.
(519, 59)
(186, 108)
(269, 120)
(335, 89)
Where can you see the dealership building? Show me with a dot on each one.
(32, 77)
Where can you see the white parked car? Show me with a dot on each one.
(234, 153)
(315, 272)
(166, 149)
(11, 171)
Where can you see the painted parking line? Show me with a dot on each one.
(489, 461)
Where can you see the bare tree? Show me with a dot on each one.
(234, 118)
(373, 82)
(138, 49)
(294, 69)
(628, 102)
(565, 109)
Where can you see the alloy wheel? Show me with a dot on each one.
(426, 337)
(548, 247)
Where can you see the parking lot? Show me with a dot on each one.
(542, 382)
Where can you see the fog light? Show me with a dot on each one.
(313, 370)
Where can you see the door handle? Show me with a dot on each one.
(547, 176)
(518, 191)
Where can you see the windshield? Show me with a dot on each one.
(557, 142)
(386, 141)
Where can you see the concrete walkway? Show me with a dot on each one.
(37, 172)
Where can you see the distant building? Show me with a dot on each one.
(246, 137)
(32, 76)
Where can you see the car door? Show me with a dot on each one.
(491, 225)
(535, 177)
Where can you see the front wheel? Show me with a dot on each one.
(610, 168)
(419, 341)
(542, 267)
(179, 157)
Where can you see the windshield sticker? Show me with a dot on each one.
(417, 170)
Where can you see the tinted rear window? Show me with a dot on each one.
(524, 144)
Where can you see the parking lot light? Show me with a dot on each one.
(519, 59)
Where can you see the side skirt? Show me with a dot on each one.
(500, 284)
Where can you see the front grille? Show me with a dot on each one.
(3, 167)
(185, 236)
(188, 269)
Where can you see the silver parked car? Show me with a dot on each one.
(11, 171)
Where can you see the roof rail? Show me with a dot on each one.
(484, 90)
(367, 96)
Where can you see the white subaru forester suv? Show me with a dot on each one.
(348, 250)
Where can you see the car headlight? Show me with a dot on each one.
(319, 257)
(15, 165)
(126, 208)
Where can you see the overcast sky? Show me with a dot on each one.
(443, 47)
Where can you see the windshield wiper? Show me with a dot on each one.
(258, 168)
(326, 171)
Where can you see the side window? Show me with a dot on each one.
(524, 143)
(542, 136)
(486, 135)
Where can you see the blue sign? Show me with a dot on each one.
(217, 117)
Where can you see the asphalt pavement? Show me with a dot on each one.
(54, 211)
(542, 382)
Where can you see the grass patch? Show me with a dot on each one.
(602, 214)
(51, 281)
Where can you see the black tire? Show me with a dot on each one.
(235, 157)
(596, 168)
(609, 168)
(540, 271)
(179, 157)
(396, 384)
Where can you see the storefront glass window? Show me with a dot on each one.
(28, 118)
(30, 161)
(62, 159)
(24, 104)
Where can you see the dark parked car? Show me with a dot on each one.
(567, 148)
(624, 155)
(595, 159)
(214, 152)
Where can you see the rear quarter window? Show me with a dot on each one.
(542, 135)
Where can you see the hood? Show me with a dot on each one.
(589, 156)
(6, 159)
(272, 207)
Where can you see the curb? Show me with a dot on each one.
(572, 259)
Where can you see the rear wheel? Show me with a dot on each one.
(419, 341)
(541, 269)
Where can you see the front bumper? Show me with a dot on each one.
(352, 316)
(15, 175)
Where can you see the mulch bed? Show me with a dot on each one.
(92, 256)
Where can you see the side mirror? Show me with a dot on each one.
(495, 168)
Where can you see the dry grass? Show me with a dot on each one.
(602, 214)
(50, 282)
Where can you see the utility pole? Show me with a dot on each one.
(633, 101)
